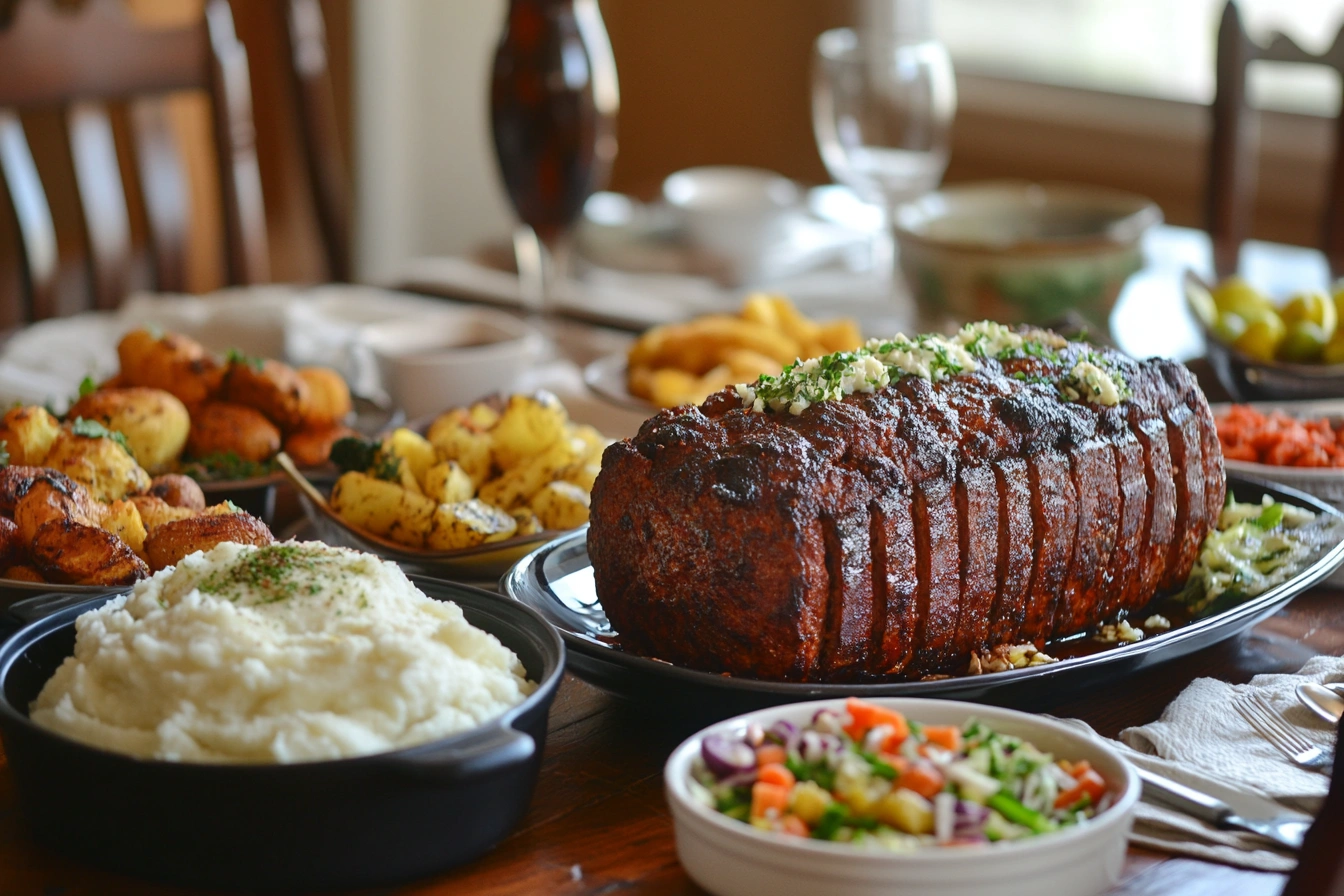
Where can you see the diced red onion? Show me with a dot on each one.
(944, 816)
(755, 735)
(969, 819)
(827, 721)
(725, 756)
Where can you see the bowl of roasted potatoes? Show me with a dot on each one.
(78, 513)
(684, 363)
(219, 419)
(467, 492)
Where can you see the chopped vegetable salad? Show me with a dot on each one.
(871, 777)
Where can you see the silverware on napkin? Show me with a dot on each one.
(1286, 831)
(1284, 737)
(1326, 701)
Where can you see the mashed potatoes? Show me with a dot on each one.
(285, 653)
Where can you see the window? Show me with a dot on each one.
(1155, 48)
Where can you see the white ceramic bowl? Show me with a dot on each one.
(734, 212)
(730, 858)
(451, 357)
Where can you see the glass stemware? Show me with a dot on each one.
(882, 110)
(553, 104)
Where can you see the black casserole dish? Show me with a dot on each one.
(343, 823)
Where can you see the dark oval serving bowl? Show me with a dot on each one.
(366, 821)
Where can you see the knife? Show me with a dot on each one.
(1287, 832)
(1326, 702)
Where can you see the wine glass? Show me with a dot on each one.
(553, 104)
(882, 109)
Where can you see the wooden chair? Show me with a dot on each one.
(1231, 189)
(83, 60)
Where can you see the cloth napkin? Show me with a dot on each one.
(1203, 742)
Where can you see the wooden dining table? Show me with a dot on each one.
(599, 824)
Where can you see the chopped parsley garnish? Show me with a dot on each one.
(226, 465)
(273, 573)
(92, 429)
(234, 356)
(87, 386)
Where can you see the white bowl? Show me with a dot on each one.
(730, 858)
(736, 213)
(452, 357)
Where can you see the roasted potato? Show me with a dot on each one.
(269, 386)
(172, 362)
(515, 487)
(456, 436)
(383, 508)
(561, 505)
(447, 483)
(100, 464)
(74, 553)
(11, 543)
(223, 428)
(178, 491)
(581, 474)
(167, 544)
(528, 524)
(154, 422)
(467, 524)
(328, 400)
(24, 573)
(528, 425)
(312, 447)
(28, 434)
(414, 450)
(154, 511)
(122, 519)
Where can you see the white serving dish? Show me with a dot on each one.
(730, 858)
(451, 357)
(1326, 483)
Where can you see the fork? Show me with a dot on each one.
(1255, 709)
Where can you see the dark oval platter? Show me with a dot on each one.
(557, 581)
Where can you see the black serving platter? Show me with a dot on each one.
(557, 581)
(361, 822)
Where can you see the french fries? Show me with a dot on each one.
(480, 474)
(678, 364)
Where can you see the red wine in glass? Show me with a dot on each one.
(553, 103)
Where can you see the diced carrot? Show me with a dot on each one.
(946, 736)
(1240, 452)
(768, 800)
(923, 778)
(1077, 768)
(768, 754)
(1069, 797)
(1089, 784)
(896, 761)
(869, 715)
(1093, 783)
(792, 824)
(855, 731)
(776, 773)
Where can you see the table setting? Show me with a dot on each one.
(644, 550)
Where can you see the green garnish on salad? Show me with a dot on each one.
(868, 776)
(1253, 548)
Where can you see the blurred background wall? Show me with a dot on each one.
(1049, 89)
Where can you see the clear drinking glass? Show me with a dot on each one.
(882, 110)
